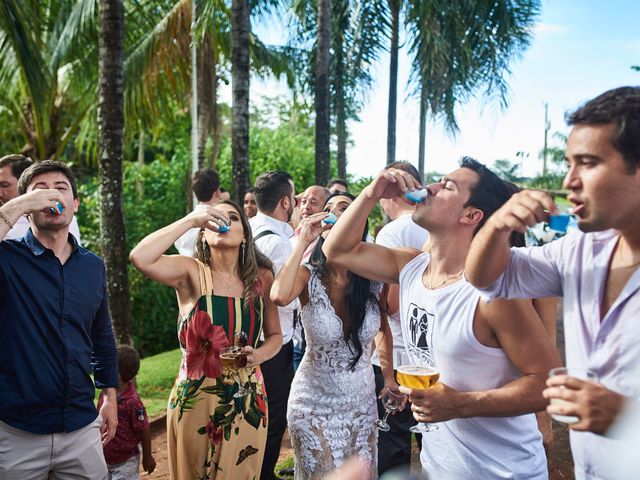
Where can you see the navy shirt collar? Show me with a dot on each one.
(38, 249)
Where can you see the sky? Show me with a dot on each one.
(580, 49)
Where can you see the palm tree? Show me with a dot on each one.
(322, 97)
(46, 85)
(110, 129)
(458, 49)
(240, 27)
(356, 30)
(394, 14)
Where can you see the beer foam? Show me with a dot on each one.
(417, 370)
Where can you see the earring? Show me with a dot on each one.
(244, 244)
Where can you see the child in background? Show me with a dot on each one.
(121, 453)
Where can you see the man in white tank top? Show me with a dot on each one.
(490, 383)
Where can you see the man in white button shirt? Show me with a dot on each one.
(11, 167)
(274, 193)
(596, 271)
(205, 184)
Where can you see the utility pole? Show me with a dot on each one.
(547, 126)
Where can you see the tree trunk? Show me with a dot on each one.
(205, 96)
(323, 124)
(423, 130)
(140, 162)
(214, 127)
(110, 132)
(240, 27)
(394, 6)
(341, 114)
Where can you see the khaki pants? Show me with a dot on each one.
(59, 456)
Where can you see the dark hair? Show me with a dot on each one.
(516, 239)
(488, 194)
(620, 106)
(253, 260)
(46, 166)
(128, 362)
(339, 181)
(18, 163)
(406, 167)
(204, 184)
(358, 295)
(270, 187)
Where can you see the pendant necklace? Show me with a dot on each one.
(451, 277)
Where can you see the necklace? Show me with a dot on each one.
(450, 277)
(224, 279)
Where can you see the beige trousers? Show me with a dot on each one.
(59, 456)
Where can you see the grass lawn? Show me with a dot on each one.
(155, 379)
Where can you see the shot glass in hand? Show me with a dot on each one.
(580, 373)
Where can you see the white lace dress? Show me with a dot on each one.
(332, 409)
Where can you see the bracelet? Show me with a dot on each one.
(6, 220)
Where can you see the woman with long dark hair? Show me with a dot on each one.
(217, 415)
(332, 405)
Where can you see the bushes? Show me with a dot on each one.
(159, 202)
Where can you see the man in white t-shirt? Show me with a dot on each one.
(11, 167)
(489, 384)
(205, 184)
(275, 198)
(394, 446)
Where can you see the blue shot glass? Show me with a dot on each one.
(331, 219)
(223, 228)
(560, 221)
(58, 209)
(417, 196)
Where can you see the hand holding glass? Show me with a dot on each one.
(417, 377)
(392, 401)
(582, 374)
(233, 357)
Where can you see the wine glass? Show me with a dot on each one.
(392, 401)
(417, 377)
(235, 358)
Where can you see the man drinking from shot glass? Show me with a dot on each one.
(595, 271)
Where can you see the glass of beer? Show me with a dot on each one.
(582, 374)
(417, 377)
(233, 357)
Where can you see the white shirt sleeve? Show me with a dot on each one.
(533, 272)
(186, 244)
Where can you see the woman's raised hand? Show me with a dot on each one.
(209, 217)
(312, 226)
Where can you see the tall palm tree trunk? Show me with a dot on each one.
(422, 135)
(206, 100)
(394, 6)
(110, 132)
(341, 115)
(240, 27)
(322, 100)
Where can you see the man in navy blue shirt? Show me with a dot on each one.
(55, 331)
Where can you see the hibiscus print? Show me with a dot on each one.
(203, 342)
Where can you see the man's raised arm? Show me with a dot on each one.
(344, 245)
(489, 253)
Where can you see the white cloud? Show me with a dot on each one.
(550, 28)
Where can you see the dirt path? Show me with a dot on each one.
(560, 461)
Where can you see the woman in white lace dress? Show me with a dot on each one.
(332, 405)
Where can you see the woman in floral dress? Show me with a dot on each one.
(222, 292)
